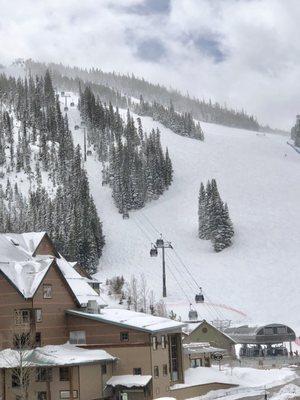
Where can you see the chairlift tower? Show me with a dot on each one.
(66, 96)
(82, 124)
(161, 244)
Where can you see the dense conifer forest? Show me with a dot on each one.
(36, 147)
(131, 86)
(134, 164)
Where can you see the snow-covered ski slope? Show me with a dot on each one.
(259, 176)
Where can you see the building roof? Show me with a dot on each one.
(78, 283)
(26, 276)
(201, 348)
(266, 334)
(132, 320)
(50, 356)
(129, 381)
(192, 327)
(25, 270)
(19, 246)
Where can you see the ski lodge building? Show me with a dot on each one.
(57, 337)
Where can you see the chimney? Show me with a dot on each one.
(92, 307)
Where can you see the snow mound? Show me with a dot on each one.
(245, 377)
(287, 392)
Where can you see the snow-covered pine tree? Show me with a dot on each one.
(213, 217)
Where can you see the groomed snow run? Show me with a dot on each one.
(258, 176)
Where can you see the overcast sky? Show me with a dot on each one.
(244, 53)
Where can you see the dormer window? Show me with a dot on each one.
(47, 291)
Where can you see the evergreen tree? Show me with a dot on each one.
(213, 217)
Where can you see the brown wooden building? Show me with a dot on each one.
(43, 297)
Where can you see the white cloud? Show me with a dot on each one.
(242, 52)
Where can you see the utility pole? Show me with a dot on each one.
(84, 139)
(161, 244)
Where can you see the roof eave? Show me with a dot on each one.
(150, 331)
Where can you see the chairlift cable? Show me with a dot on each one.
(178, 271)
(150, 223)
(211, 308)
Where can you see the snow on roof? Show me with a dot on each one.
(19, 246)
(132, 319)
(129, 381)
(201, 348)
(78, 284)
(26, 271)
(26, 276)
(65, 354)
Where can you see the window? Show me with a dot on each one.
(154, 342)
(22, 317)
(38, 339)
(204, 329)
(77, 337)
(43, 374)
(65, 394)
(165, 370)
(38, 315)
(156, 372)
(103, 369)
(124, 336)
(47, 291)
(63, 373)
(42, 396)
(163, 342)
(268, 331)
(15, 379)
(281, 330)
(137, 371)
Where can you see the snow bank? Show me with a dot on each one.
(245, 377)
(287, 392)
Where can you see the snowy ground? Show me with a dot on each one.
(258, 175)
(252, 382)
(244, 377)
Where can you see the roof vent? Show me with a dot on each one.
(92, 307)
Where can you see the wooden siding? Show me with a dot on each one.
(10, 299)
(104, 334)
(46, 247)
(212, 335)
(53, 327)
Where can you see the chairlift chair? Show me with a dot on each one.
(66, 109)
(82, 123)
(72, 104)
(153, 252)
(76, 127)
(193, 315)
(125, 215)
(199, 298)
